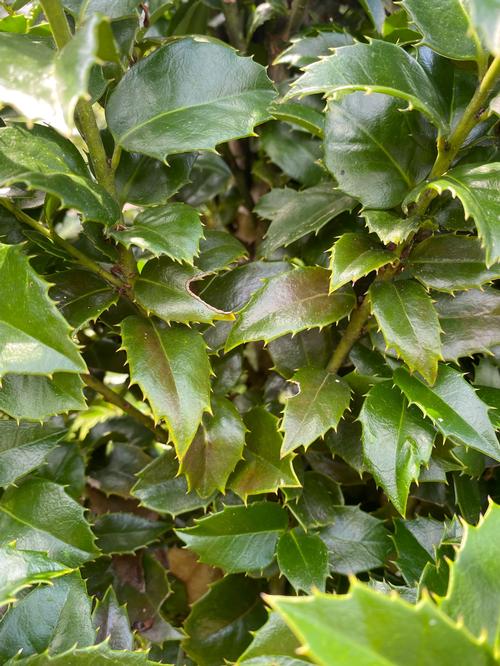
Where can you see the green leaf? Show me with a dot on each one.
(375, 152)
(311, 347)
(34, 337)
(397, 441)
(317, 503)
(446, 27)
(43, 160)
(485, 19)
(409, 323)
(367, 628)
(161, 489)
(24, 447)
(389, 227)
(39, 515)
(416, 544)
(95, 654)
(81, 10)
(200, 93)
(301, 115)
(375, 67)
(81, 296)
(477, 187)
(173, 229)
(448, 262)
(111, 623)
(262, 470)
(290, 303)
(125, 532)
(470, 322)
(238, 538)
(474, 581)
(218, 250)
(294, 214)
(306, 50)
(453, 407)
(376, 12)
(124, 461)
(164, 288)
(273, 638)
(303, 559)
(171, 367)
(321, 400)
(353, 256)
(54, 618)
(220, 623)
(22, 568)
(215, 450)
(355, 540)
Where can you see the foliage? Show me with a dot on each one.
(249, 332)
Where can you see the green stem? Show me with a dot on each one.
(447, 151)
(115, 399)
(234, 24)
(296, 17)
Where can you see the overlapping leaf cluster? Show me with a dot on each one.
(249, 332)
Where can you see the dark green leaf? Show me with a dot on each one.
(81, 296)
(416, 543)
(353, 256)
(96, 654)
(273, 638)
(34, 398)
(111, 623)
(317, 503)
(301, 115)
(218, 250)
(389, 227)
(306, 50)
(290, 352)
(303, 559)
(125, 532)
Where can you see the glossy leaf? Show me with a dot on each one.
(300, 115)
(290, 303)
(274, 639)
(81, 296)
(416, 543)
(171, 367)
(238, 538)
(174, 230)
(111, 623)
(454, 408)
(100, 654)
(353, 256)
(294, 214)
(199, 92)
(389, 226)
(485, 19)
(375, 67)
(303, 559)
(321, 400)
(262, 469)
(34, 337)
(317, 503)
(306, 50)
(215, 450)
(397, 441)
(218, 250)
(409, 323)
(125, 532)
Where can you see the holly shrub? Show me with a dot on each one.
(249, 332)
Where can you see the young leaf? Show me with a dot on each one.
(389, 226)
(474, 580)
(171, 367)
(353, 256)
(290, 303)
(375, 152)
(238, 538)
(200, 93)
(374, 67)
(24, 447)
(34, 337)
(262, 470)
(396, 441)
(355, 540)
(215, 450)
(477, 187)
(409, 323)
(454, 408)
(23, 568)
(219, 624)
(318, 406)
(173, 229)
(39, 515)
(119, 533)
(303, 559)
(111, 623)
(294, 214)
(372, 628)
(450, 262)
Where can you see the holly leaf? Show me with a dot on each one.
(295, 213)
(416, 543)
(273, 638)
(303, 560)
(34, 336)
(100, 654)
(485, 19)
(375, 67)
(120, 533)
(290, 303)
(218, 250)
(262, 470)
(317, 502)
(111, 623)
(477, 187)
(200, 93)
(453, 407)
(448, 263)
(306, 50)
(397, 441)
(321, 400)
(81, 296)
(215, 450)
(389, 226)
(173, 229)
(238, 538)
(171, 367)
(353, 256)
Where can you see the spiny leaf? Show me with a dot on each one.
(389, 226)
(111, 623)
(125, 532)
(303, 559)
(353, 256)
